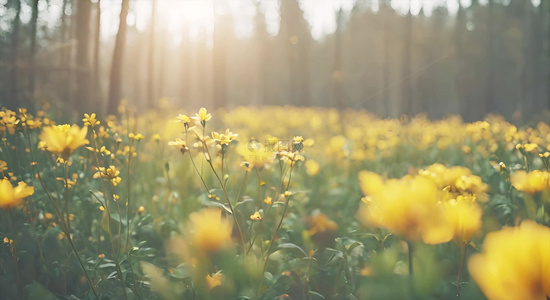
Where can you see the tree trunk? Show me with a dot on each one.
(83, 11)
(338, 99)
(115, 82)
(151, 58)
(407, 96)
(97, 63)
(13, 99)
(218, 63)
(489, 87)
(32, 60)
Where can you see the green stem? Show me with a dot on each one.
(463, 248)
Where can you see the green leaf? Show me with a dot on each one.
(292, 246)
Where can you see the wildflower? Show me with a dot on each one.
(312, 167)
(323, 230)
(531, 147)
(256, 216)
(63, 139)
(110, 173)
(514, 263)
(298, 143)
(136, 137)
(532, 182)
(288, 194)
(268, 200)
(3, 166)
(185, 120)
(202, 116)
(209, 231)
(247, 166)
(462, 219)
(406, 206)
(179, 143)
(156, 137)
(224, 138)
(141, 209)
(214, 280)
(12, 196)
(90, 120)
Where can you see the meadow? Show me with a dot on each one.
(272, 203)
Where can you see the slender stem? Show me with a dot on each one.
(226, 195)
(60, 217)
(410, 248)
(66, 232)
(241, 188)
(463, 248)
(411, 273)
(274, 235)
(13, 256)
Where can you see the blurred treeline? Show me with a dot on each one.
(492, 56)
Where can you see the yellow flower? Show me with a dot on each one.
(183, 119)
(321, 224)
(256, 216)
(406, 206)
(136, 137)
(90, 120)
(209, 231)
(12, 196)
(463, 219)
(202, 116)
(268, 200)
(63, 139)
(322, 230)
(214, 280)
(531, 147)
(110, 173)
(224, 138)
(514, 263)
(3, 166)
(532, 182)
(179, 143)
(312, 167)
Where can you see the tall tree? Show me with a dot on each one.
(185, 50)
(338, 95)
(97, 46)
(222, 30)
(115, 82)
(151, 57)
(83, 12)
(13, 97)
(386, 10)
(295, 34)
(406, 87)
(32, 60)
(491, 51)
(459, 37)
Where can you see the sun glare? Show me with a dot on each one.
(176, 16)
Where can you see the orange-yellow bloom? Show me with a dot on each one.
(63, 139)
(12, 196)
(406, 206)
(532, 182)
(214, 280)
(514, 263)
(209, 231)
